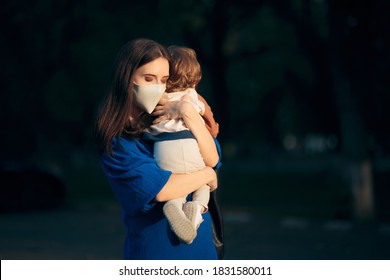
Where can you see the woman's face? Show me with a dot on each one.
(154, 72)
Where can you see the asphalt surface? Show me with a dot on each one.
(93, 230)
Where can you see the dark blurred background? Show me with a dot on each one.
(300, 89)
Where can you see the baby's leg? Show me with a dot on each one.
(199, 204)
(202, 197)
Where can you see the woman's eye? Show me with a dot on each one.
(148, 79)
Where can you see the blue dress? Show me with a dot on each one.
(136, 179)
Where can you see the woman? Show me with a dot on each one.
(140, 73)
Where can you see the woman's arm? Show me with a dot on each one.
(180, 185)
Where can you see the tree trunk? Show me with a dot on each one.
(362, 189)
(354, 138)
(218, 67)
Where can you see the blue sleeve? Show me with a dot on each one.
(219, 154)
(133, 175)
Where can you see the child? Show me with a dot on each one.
(183, 155)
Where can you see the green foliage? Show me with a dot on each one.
(59, 59)
(62, 99)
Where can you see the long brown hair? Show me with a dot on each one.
(114, 117)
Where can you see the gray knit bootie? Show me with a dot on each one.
(180, 224)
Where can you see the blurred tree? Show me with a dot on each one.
(339, 39)
(271, 69)
(352, 38)
(36, 37)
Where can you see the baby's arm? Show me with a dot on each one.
(205, 141)
(208, 118)
(185, 110)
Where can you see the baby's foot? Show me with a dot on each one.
(180, 224)
(193, 211)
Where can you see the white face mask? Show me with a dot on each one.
(147, 96)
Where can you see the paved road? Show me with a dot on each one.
(252, 237)
(94, 231)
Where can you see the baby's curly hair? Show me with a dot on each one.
(185, 69)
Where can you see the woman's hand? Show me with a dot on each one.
(168, 110)
(213, 184)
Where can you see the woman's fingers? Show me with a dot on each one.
(158, 111)
(213, 184)
(164, 99)
(160, 119)
(169, 109)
